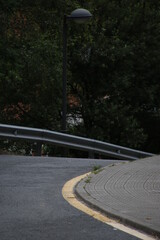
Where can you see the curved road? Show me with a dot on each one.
(32, 206)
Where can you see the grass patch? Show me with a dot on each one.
(88, 180)
(97, 169)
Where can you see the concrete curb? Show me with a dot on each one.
(91, 198)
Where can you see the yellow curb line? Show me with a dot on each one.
(70, 197)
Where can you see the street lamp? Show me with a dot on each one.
(79, 16)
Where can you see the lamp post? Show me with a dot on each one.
(79, 16)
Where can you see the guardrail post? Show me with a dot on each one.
(91, 154)
(38, 148)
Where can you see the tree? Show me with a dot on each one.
(31, 65)
(115, 75)
(113, 68)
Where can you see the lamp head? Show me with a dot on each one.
(80, 15)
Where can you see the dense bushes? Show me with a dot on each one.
(113, 69)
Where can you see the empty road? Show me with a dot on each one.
(32, 206)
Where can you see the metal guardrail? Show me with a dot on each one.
(70, 141)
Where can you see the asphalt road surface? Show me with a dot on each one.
(32, 206)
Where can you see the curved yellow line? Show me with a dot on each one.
(70, 197)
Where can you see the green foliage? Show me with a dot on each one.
(88, 179)
(31, 68)
(116, 74)
(112, 68)
(97, 169)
